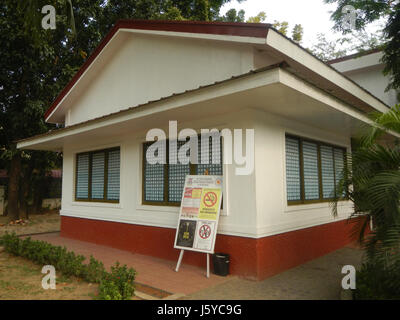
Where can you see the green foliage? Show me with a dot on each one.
(371, 11)
(327, 49)
(376, 283)
(356, 41)
(282, 27)
(36, 64)
(233, 16)
(115, 285)
(297, 33)
(261, 17)
(367, 11)
(94, 271)
(373, 185)
(392, 49)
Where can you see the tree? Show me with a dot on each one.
(370, 11)
(297, 33)
(261, 17)
(357, 41)
(233, 16)
(373, 185)
(36, 64)
(282, 27)
(392, 49)
(328, 50)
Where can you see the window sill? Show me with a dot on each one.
(313, 206)
(97, 204)
(167, 209)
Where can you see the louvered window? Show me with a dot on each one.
(176, 177)
(212, 165)
(163, 184)
(82, 176)
(313, 170)
(310, 168)
(293, 185)
(328, 173)
(98, 175)
(113, 175)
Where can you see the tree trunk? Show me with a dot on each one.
(23, 205)
(26, 186)
(13, 187)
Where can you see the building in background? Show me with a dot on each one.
(366, 69)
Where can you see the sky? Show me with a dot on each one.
(313, 15)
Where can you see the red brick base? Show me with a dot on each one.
(250, 258)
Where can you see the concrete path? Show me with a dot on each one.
(151, 271)
(319, 279)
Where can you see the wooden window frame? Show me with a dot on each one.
(301, 165)
(192, 171)
(105, 191)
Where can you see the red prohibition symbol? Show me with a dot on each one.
(210, 199)
(205, 231)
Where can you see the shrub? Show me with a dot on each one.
(119, 284)
(115, 285)
(377, 283)
(95, 271)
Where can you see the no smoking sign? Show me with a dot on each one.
(205, 231)
(210, 199)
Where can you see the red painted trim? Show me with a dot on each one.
(250, 258)
(257, 30)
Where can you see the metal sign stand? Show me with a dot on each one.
(180, 260)
(206, 173)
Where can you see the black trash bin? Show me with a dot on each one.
(221, 264)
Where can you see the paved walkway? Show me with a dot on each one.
(154, 272)
(319, 279)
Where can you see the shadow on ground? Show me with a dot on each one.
(319, 279)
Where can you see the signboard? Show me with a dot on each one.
(199, 213)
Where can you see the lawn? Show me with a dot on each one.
(21, 279)
(37, 223)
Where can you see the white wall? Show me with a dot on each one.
(375, 82)
(239, 212)
(148, 67)
(274, 216)
(254, 205)
(367, 71)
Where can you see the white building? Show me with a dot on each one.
(367, 70)
(207, 75)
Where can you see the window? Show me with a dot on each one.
(313, 170)
(163, 183)
(98, 175)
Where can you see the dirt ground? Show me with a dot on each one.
(37, 223)
(21, 279)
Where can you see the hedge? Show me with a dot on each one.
(115, 285)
